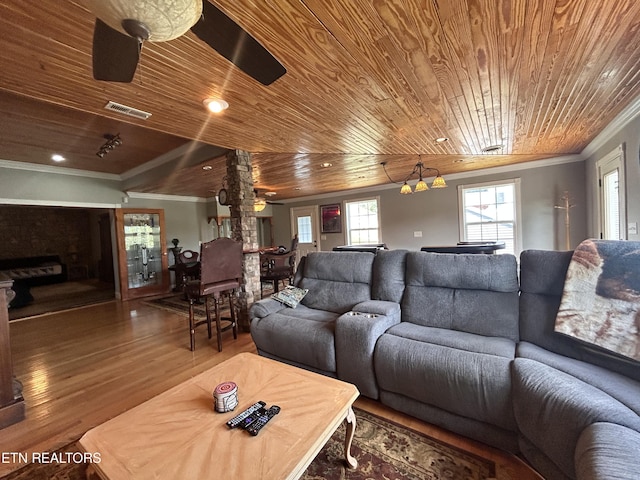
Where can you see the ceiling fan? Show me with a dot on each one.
(123, 25)
(265, 196)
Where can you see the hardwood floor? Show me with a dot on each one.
(81, 367)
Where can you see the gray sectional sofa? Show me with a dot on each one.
(462, 342)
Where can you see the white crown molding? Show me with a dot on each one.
(161, 196)
(617, 124)
(58, 170)
(547, 162)
(56, 203)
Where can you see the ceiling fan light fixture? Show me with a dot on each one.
(215, 105)
(164, 19)
(260, 204)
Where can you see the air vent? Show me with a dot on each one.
(132, 112)
(492, 148)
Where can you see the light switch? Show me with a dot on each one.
(632, 228)
(417, 234)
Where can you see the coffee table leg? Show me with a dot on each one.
(350, 420)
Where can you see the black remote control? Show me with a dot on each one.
(256, 426)
(245, 422)
(237, 420)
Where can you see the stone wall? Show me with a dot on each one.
(36, 231)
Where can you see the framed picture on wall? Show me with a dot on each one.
(331, 219)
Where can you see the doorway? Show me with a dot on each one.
(611, 196)
(304, 223)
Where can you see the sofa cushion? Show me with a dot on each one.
(302, 335)
(552, 409)
(388, 275)
(336, 280)
(444, 369)
(610, 451)
(622, 388)
(471, 293)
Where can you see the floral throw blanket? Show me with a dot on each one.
(601, 298)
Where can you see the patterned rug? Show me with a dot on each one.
(384, 450)
(178, 304)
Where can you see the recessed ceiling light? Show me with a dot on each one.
(207, 167)
(215, 105)
(56, 157)
(270, 194)
(442, 139)
(459, 160)
(326, 165)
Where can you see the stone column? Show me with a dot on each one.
(244, 228)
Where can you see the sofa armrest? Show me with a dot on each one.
(356, 335)
(607, 450)
(265, 307)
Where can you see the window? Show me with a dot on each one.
(489, 213)
(363, 222)
(305, 228)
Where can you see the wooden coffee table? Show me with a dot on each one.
(178, 434)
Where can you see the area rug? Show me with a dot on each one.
(178, 304)
(384, 450)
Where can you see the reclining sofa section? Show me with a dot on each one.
(455, 341)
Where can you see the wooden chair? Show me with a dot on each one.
(187, 267)
(220, 276)
(276, 267)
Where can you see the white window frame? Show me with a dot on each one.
(517, 241)
(347, 220)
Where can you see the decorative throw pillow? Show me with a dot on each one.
(290, 296)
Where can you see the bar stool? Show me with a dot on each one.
(220, 276)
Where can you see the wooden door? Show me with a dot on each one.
(143, 266)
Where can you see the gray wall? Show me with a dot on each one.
(435, 212)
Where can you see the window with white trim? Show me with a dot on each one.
(489, 212)
(363, 221)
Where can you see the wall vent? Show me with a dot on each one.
(132, 112)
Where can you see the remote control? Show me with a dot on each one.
(245, 422)
(256, 426)
(235, 421)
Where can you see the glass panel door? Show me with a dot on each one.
(142, 252)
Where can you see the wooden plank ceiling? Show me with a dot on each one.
(367, 81)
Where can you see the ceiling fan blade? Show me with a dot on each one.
(115, 55)
(225, 36)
